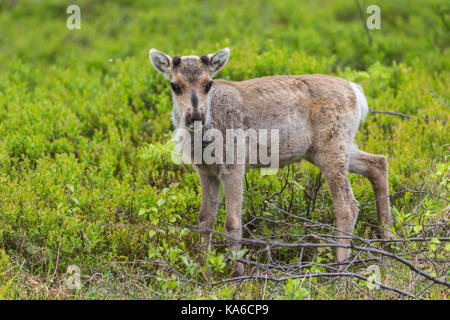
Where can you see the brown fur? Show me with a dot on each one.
(317, 117)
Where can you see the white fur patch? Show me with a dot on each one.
(361, 100)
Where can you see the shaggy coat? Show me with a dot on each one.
(317, 117)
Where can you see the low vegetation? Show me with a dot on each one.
(86, 177)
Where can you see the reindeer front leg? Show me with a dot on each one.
(232, 179)
(207, 215)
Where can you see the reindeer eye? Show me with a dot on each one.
(208, 86)
(176, 88)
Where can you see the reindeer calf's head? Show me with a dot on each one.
(191, 80)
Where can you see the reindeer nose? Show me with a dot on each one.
(192, 117)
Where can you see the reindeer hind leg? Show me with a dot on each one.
(375, 168)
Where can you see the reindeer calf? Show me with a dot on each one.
(317, 117)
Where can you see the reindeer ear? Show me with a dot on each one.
(161, 61)
(218, 60)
